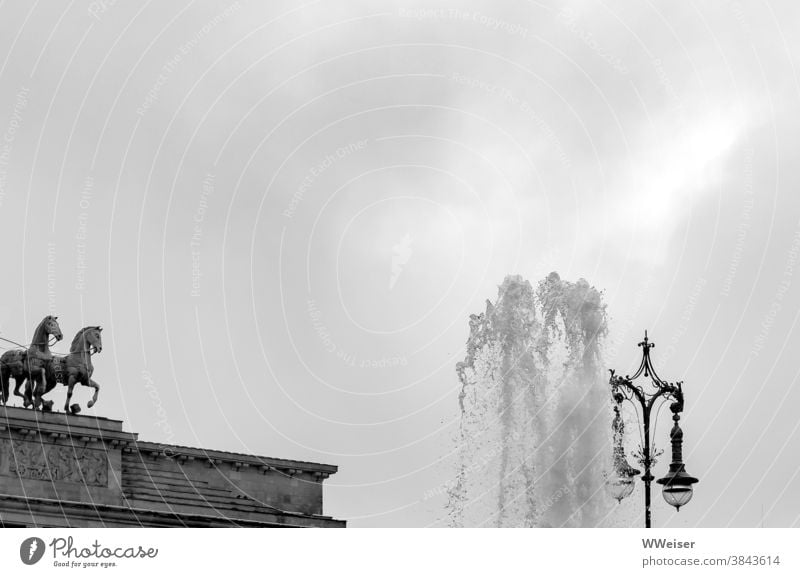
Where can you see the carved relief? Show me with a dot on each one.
(55, 463)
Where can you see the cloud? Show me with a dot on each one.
(672, 167)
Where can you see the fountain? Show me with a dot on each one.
(533, 440)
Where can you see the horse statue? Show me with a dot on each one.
(76, 367)
(23, 364)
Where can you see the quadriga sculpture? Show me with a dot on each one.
(76, 367)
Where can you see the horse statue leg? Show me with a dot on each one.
(27, 397)
(96, 388)
(44, 388)
(4, 376)
(34, 393)
(71, 379)
(37, 381)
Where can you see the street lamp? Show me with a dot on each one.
(677, 483)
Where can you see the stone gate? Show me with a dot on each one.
(59, 470)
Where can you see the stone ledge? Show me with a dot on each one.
(86, 428)
(237, 460)
(62, 419)
(16, 509)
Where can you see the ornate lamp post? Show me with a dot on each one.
(677, 483)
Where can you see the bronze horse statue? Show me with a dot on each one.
(76, 367)
(29, 364)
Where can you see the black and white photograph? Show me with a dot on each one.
(388, 264)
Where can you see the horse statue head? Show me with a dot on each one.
(88, 340)
(47, 328)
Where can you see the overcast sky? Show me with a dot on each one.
(283, 215)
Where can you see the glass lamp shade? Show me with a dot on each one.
(677, 486)
(621, 483)
(620, 487)
(677, 495)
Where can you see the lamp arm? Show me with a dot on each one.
(624, 382)
(668, 390)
